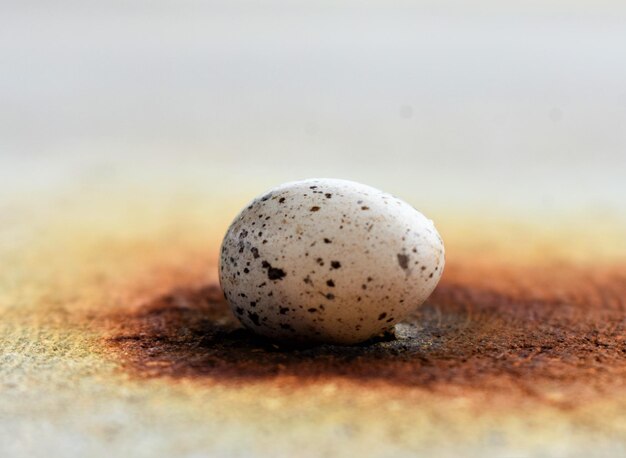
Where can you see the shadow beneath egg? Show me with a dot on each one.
(192, 333)
(464, 336)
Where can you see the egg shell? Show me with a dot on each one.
(327, 260)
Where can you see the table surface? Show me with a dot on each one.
(115, 341)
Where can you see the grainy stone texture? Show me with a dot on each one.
(116, 341)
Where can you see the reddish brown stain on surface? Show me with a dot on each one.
(520, 331)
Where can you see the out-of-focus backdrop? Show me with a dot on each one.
(503, 104)
(131, 133)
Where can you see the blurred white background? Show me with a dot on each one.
(491, 104)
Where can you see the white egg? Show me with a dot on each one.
(326, 260)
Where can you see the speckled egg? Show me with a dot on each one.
(326, 260)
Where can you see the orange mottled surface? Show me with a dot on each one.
(551, 335)
(115, 339)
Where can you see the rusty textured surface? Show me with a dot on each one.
(493, 336)
(115, 339)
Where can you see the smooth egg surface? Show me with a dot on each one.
(327, 260)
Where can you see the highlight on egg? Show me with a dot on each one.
(328, 261)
